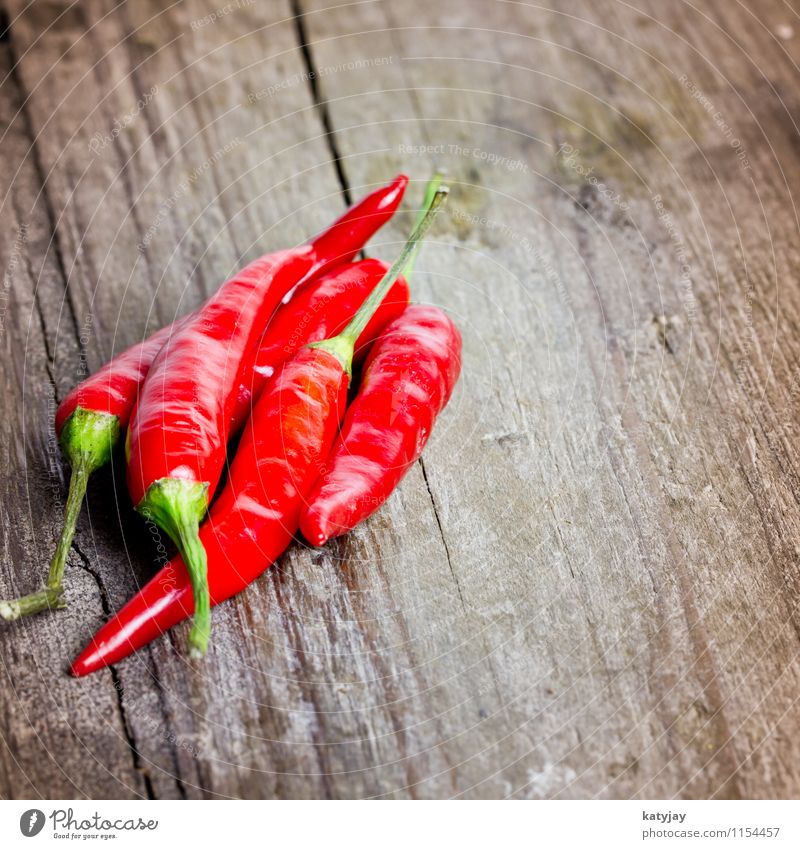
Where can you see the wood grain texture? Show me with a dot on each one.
(588, 587)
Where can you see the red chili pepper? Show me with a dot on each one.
(408, 378)
(88, 423)
(177, 437)
(318, 310)
(293, 425)
(92, 416)
(289, 435)
(112, 389)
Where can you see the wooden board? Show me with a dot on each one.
(588, 587)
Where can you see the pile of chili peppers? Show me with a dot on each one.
(269, 356)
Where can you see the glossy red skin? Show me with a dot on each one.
(408, 378)
(114, 388)
(182, 419)
(319, 310)
(290, 432)
(349, 233)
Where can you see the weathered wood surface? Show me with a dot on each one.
(590, 584)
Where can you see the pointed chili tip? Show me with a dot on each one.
(311, 530)
(82, 665)
(396, 189)
(89, 660)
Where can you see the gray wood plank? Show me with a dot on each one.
(588, 587)
(145, 236)
(595, 489)
(57, 738)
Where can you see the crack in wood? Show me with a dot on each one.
(320, 103)
(634, 678)
(162, 703)
(441, 531)
(52, 221)
(130, 738)
(84, 562)
(39, 170)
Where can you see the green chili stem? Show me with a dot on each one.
(343, 345)
(178, 506)
(194, 556)
(87, 440)
(430, 191)
(27, 605)
(367, 309)
(50, 597)
(78, 481)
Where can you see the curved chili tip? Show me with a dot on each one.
(158, 606)
(390, 196)
(83, 665)
(92, 658)
(316, 529)
(352, 230)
